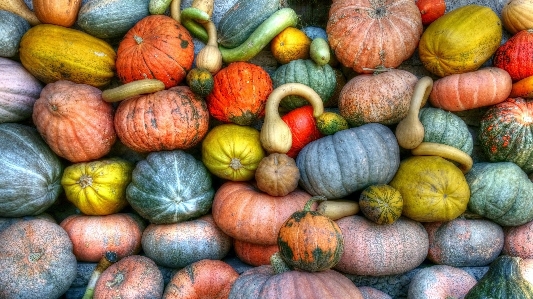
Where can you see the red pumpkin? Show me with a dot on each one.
(516, 55)
(239, 93)
(175, 118)
(303, 128)
(431, 10)
(157, 47)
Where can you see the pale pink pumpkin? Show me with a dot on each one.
(517, 241)
(440, 281)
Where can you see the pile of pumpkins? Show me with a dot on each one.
(153, 133)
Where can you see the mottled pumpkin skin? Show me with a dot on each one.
(515, 55)
(517, 240)
(381, 204)
(440, 281)
(36, 260)
(254, 254)
(180, 244)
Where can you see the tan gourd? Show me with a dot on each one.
(276, 136)
(20, 8)
(410, 131)
(445, 151)
(210, 57)
(131, 89)
(338, 208)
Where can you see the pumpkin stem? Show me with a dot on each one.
(107, 260)
(278, 264)
(377, 70)
(138, 39)
(309, 203)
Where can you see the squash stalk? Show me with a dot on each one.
(109, 258)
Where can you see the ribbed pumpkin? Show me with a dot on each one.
(170, 119)
(239, 93)
(515, 55)
(12, 28)
(383, 97)
(71, 116)
(277, 174)
(516, 15)
(382, 33)
(157, 47)
(58, 12)
(381, 204)
(440, 281)
(303, 127)
(52, 53)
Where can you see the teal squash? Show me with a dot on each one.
(444, 127)
(503, 280)
(337, 165)
(321, 79)
(31, 172)
(501, 192)
(170, 187)
(12, 28)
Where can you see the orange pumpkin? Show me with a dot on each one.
(254, 254)
(239, 93)
(70, 117)
(516, 55)
(58, 12)
(366, 34)
(157, 47)
(170, 119)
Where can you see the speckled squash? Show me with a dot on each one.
(514, 55)
(369, 292)
(517, 240)
(12, 28)
(440, 281)
(381, 204)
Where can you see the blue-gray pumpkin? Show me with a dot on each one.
(444, 127)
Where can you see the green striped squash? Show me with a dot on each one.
(382, 204)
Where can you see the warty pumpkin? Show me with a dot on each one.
(440, 281)
(58, 12)
(514, 56)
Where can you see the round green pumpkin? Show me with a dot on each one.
(444, 127)
(382, 204)
(170, 187)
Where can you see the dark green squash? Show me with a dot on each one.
(503, 280)
(12, 28)
(201, 81)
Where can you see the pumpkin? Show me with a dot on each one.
(500, 192)
(516, 241)
(375, 250)
(329, 123)
(502, 280)
(70, 116)
(464, 242)
(31, 172)
(156, 47)
(98, 187)
(12, 28)
(459, 92)
(277, 174)
(201, 81)
(232, 152)
(177, 245)
(440, 281)
(109, 258)
(372, 147)
(431, 10)
(277, 280)
(91, 235)
(504, 133)
(460, 41)
(170, 187)
(239, 93)
(209, 279)
(246, 213)
(522, 88)
(383, 33)
(432, 188)
(36, 260)
(57, 12)
(290, 44)
(303, 127)
(134, 276)
(170, 119)
(513, 56)
(18, 91)
(254, 254)
(377, 98)
(516, 15)
(381, 204)
(52, 53)
(5, 222)
(310, 241)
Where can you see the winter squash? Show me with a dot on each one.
(303, 126)
(177, 245)
(36, 260)
(522, 88)
(440, 281)
(18, 91)
(338, 208)
(20, 8)
(484, 87)
(132, 89)
(31, 172)
(12, 28)
(369, 292)
(375, 250)
(209, 279)
(516, 240)
(71, 115)
(319, 51)
(310, 241)
(209, 57)
(98, 187)
(368, 37)
(431, 10)
(505, 135)
(461, 40)
(516, 15)
(177, 185)
(232, 152)
(254, 254)
(513, 56)
(200, 81)
(91, 235)
(432, 188)
(290, 44)
(159, 48)
(239, 93)
(383, 97)
(372, 147)
(500, 192)
(381, 204)
(68, 54)
(62, 13)
(330, 122)
(277, 174)
(464, 242)
(134, 276)
(244, 212)
(170, 119)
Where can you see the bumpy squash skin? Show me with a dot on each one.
(52, 53)
(515, 55)
(446, 128)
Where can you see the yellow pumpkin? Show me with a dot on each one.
(98, 187)
(290, 44)
(381, 204)
(432, 188)
(232, 151)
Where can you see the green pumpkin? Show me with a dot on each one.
(501, 192)
(321, 79)
(503, 280)
(444, 127)
(200, 81)
(12, 28)
(170, 187)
